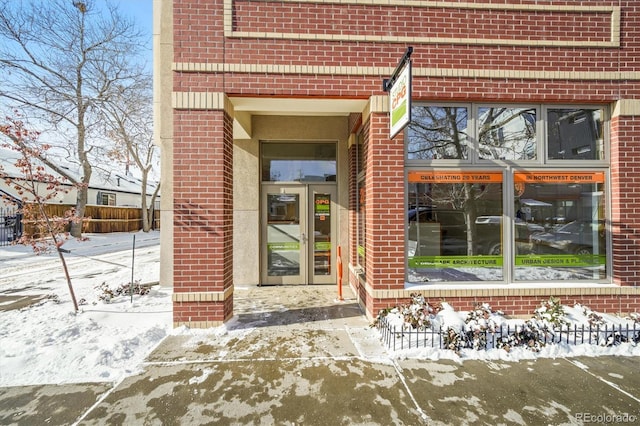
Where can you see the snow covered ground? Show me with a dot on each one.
(47, 343)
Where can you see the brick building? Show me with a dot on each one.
(517, 178)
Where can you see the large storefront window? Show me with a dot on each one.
(566, 212)
(507, 194)
(454, 222)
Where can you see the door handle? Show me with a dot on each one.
(303, 238)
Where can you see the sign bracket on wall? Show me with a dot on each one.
(399, 88)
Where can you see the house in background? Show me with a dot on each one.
(105, 189)
(277, 149)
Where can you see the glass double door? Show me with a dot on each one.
(298, 234)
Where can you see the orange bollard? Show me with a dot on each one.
(339, 268)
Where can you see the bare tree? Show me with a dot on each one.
(62, 60)
(36, 187)
(128, 120)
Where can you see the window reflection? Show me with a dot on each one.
(437, 133)
(575, 134)
(565, 211)
(507, 133)
(298, 162)
(454, 226)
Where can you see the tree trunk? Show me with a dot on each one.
(143, 202)
(150, 212)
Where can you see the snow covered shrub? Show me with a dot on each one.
(477, 324)
(534, 333)
(106, 293)
(453, 340)
(529, 335)
(551, 312)
(616, 338)
(382, 314)
(594, 319)
(418, 312)
(416, 315)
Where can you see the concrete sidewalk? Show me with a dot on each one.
(295, 355)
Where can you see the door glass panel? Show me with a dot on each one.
(283, 234)
(322, 233)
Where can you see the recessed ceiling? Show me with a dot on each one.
(244, 108)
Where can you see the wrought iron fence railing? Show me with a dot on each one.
(396, 338)
(10, 225)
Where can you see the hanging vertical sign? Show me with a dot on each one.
(399, 88)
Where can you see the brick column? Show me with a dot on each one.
(384, 213)
(203, 217)
(625, 192)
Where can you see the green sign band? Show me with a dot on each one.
(399, 113)
(557, 261)
(561, 260)
(322, 246)
(284, 246)
(455, 261)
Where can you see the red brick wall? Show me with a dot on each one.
(625, 202)
(526, 305)
(200, 39)
(384, 206)
(202, 139)
(374, 20)
(203, 211)
(198, 25)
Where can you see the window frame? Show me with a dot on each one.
(110, 196)
(476, 142)
(606, 135)
(470, 137)
(509, 168)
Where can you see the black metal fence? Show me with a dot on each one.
(10, 225)
(503, 336)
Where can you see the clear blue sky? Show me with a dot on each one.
(140, 10)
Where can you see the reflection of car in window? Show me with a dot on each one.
(577, 237)
(437, 232)
(490, 233)
(444, 232)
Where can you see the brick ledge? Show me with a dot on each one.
(203, 296)
(605, 290)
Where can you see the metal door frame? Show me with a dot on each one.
(307, 253)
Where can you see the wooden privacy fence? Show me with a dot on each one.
(103, 219)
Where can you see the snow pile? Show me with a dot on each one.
(418, 329)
